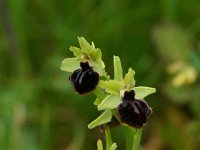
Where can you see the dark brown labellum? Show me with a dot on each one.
(85, 79)
(134, 113)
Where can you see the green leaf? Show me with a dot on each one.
(118, 72)
(141, 91)
(110, 102)
(105, 117)
(129, 77)
(111, 86)
(99, 145)
(70, 64)
(84, 44)
(113, 146)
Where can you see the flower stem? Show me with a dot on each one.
(136, 139)
(128, 133)
(101, 95)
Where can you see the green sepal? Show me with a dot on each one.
(84, 44)
(99, 67)
(110, 102)
(89, 50)
(142, 91)
(70, 64)
(118, 72)
(111, 86)
(105, 117)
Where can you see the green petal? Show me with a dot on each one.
(141, 91)
(99, 145)
(110, 102)
(129, 77)
(105, 117)
(77, 51)
(118, 72)
(111, 86)
(113, 146)
(70, 64)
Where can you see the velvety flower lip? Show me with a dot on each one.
(85, 79)
(134, 113)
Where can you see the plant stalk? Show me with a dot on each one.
(137, 139)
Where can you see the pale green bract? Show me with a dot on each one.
(110, 102)
(111, 86)
(105, 117)
(99, 145)
(113, 146)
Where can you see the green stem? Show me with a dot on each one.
(101, 95)
(136, 139)
(129, 133)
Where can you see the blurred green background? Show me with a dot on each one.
(159, 39)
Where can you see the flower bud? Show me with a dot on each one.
(85, 79)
